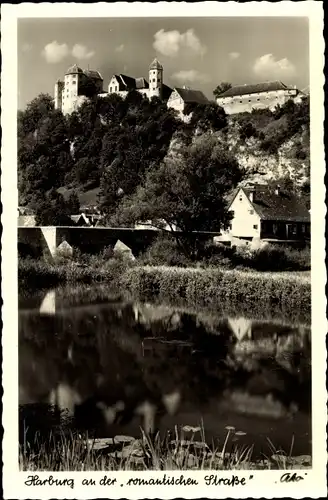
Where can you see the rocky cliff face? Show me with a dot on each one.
(262, 166)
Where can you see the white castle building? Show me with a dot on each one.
(79, 85)
(154, 87)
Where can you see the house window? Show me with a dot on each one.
(255, 226)
(251, 212)
(294, 229)
(303, 228)
(116, 89)
(240, 198)
(74, 82)
(154, 80)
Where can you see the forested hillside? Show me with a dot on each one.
(119, 153)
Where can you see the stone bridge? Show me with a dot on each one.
(38, 241)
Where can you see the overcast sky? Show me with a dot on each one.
(197, 52)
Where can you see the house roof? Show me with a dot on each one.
(280, 206)
(155, 64)
(254, 88)
(128, 81)
(141, 83)
(193, 96)
(166, 91)
(73, 70)
(93, 74)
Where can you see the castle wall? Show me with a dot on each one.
(262, 100)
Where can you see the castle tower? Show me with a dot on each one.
(155, 79)
(73, 77)
(58, 95)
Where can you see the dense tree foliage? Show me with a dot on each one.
(108, 142)
(187, 191)
(145, 163)
(206, 117)
(222, 87)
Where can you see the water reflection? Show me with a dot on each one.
(91, 360)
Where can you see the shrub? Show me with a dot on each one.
(273, 258)
(164, 251)
(247, 130)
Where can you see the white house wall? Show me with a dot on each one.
(247, 102)
(175, 102)
(245, 218)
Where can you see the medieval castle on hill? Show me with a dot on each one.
(79, 85)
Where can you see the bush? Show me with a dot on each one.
(273, 258)
(247, 130)
(164, 251)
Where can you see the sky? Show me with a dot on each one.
(197, 52)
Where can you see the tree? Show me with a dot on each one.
(208, 117)
(73, 203)
(52, 210)
(222, 87)
(187, 192)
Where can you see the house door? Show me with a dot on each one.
(290, 231)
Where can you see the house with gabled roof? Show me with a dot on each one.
(261, 212)
(245, 98)
(180, 97)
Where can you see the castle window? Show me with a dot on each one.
(241, 102)
(249, 100)
(258, 98)
(74, 82)
(255, 226)
(154, 80)
(251, 212)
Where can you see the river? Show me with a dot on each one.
(93, 360)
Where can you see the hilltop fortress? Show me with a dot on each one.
(80, 85)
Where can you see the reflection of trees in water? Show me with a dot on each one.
(98, 353)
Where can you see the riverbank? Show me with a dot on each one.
(180, 451)
(207, 287)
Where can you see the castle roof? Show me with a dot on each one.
(155, 64)
(254, 88)
(74, 70)
(141, 83)
(129, 83)
(95, 75)
(192, 96)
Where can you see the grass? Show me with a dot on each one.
(72, 452)
(212, 287)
